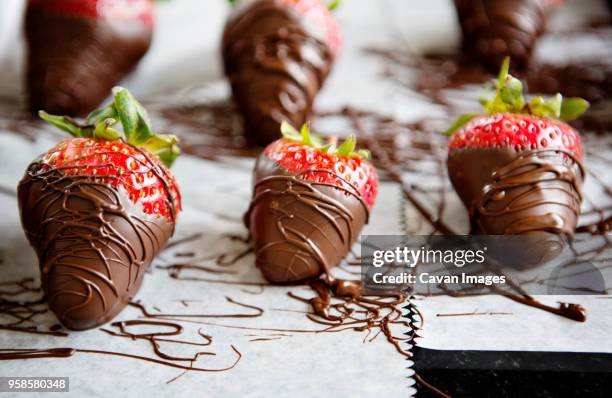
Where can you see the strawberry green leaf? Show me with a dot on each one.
(165, 147)
(289, 132)
(572, 108)
(133, 117)
(125, 109)
(554, 105)
(348, 146)
(504, 72)
(364, 154)
(304, 136)
(460, 123)
(62, 122)
(508, 94)
(102, 114)
(550, 108)
(105, 131)
(512, 94)
(509, 98)
(330, 148)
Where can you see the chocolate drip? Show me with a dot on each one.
(276, 65)
(93, 245)
(575, 312)
(494, 29)
(354, 311)
(301, 229)
(73, 62)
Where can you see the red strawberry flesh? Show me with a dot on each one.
(519, 131)
(347, 171)
(142, 175)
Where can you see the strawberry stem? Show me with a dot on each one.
(509, 98)
(304, 136)
(124, 109)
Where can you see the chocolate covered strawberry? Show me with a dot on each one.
(277, 55)
(519, 169)
(79, 49)
(494, 29)
(309, 204)
(97, 208)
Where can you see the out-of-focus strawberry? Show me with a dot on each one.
(79, 49)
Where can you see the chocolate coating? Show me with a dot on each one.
(93, 244)
(276, 65)
(537, 192)
(74, 62)
(300, 229)
(494, 29)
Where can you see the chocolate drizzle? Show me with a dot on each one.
(300, 228)
(21, 302)
(94, 246)
(174, 329)
(276, 65)
(73, 62)
(515, 193)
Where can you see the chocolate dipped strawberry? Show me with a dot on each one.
(97, 208)
(277, 55)
(519, 168)
(79, 49)
(310, 202)
(494, 29)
